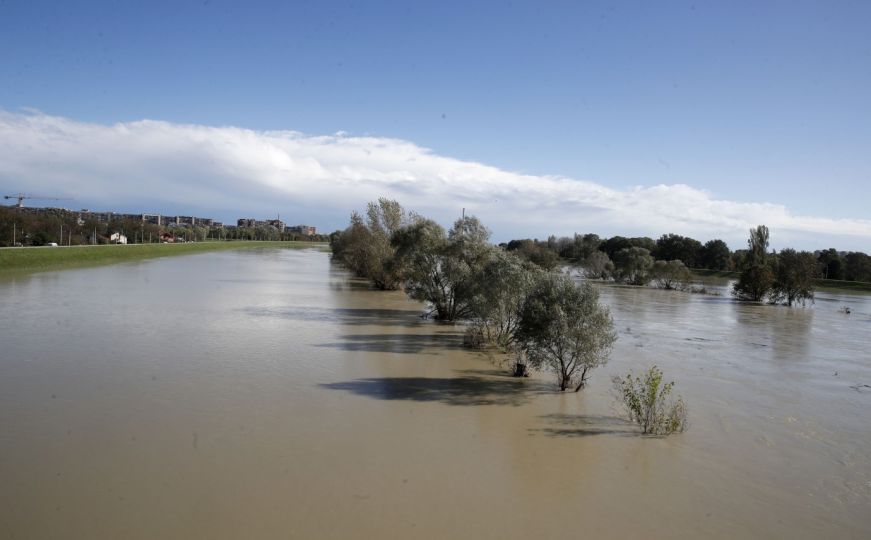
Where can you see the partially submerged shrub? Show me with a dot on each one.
(670, 275)
(473, 338)
(648, 404)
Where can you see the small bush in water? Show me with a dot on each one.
(648, 405)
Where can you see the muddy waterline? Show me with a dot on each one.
(267, 394)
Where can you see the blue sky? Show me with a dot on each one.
(747, 102)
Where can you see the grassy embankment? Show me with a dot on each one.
(43, 259)
(716, 273)
(825, 284)
(838, 285)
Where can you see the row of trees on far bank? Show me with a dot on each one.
(540, 315)
(633, 260)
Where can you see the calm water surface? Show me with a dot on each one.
(269, 395)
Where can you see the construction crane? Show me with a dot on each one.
(22, 196)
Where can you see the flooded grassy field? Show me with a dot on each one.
(267, 394)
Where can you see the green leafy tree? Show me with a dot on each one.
(670, 274)
(597, 265)
(754, 284)
(794, 277)
(831, 264)
(529, 250)
(350, 247)
(858, 266)
(671, 247)
(503, 287)
(715, 255)
(384, 219)
(632, 265)
(757, 277)
(614, 244)
(366, 245)
(564, 329)
(579, 247)
(443, 270)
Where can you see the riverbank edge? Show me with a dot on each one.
(28, 260)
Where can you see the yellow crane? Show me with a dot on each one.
(22, 196)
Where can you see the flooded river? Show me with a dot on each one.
(266, 394)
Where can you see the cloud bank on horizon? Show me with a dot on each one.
(239, 172)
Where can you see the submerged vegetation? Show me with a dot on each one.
(565, 329)
(511, 299)
(648, 402)
(633, 261)
(787, 277)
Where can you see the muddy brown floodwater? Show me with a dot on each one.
(269, 395)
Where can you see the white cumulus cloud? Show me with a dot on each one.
(229, 172)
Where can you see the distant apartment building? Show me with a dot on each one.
(99, 217)
(154, 219)
(85, 215)
(304, 230)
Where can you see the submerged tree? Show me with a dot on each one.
(632, 265)
(757, 277)
(365, 246)
(754, 283)
(350, 247)
(565, 329)
(794, 277)
(440, 269)
(597, 265)
(384, 219)
(670, 274)
(535, 253)
(503, 287)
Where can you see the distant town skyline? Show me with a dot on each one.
(161, 219)
(693, 118)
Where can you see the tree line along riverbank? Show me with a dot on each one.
(821, 283)
(43, 259)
